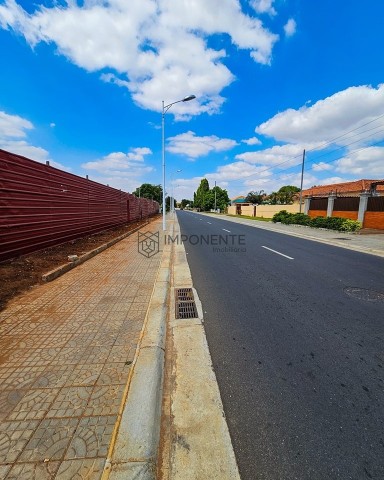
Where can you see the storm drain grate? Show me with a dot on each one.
(184, 294)
(185, 306)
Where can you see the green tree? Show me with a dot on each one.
(168, 203)
(184, 202)
(273, 198)
(204, 197)
(201, 199)
(222, 199)
(153, 192)
(287, 193)
(255, 197)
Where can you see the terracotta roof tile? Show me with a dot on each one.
(353, 188)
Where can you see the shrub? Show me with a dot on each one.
(333, 223)
(301, 219)
(279, 216)
(318, 222)
(350, 225)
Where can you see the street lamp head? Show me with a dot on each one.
(190, 97)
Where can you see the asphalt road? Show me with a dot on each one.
(296, 334)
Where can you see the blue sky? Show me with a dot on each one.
(82, 85)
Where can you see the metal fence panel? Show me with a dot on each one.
(346, 204)
(375, 204)
(42, 206)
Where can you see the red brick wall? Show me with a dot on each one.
(345, 214)
(374, 220)
(317, 213)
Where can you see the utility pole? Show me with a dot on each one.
(302, 176)
(215, 196)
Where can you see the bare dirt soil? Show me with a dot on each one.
(19, 274)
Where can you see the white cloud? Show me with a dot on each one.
(263, 6)
(330, 118)
(322, 166)
(13, 138)
(365, 163)
(135, 40)
(329, 181)
(13, 126)
(290, 27)
(193, 146)
(117, 162)
(237, 171)
(120, 170)
(252, 141)
(288, 155)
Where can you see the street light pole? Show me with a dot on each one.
(172, 205)
(164, 111)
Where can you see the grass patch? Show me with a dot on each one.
(262, 219)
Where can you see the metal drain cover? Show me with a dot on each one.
(340, 238)
(184, 294)
(364, 294)
(185, 306)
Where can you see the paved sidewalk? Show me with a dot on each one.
(65, 354)
(372, 243)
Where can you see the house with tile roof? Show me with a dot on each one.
(361, 200)
(350, 189)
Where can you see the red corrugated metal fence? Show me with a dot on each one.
(42, 206)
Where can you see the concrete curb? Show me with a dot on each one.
(133, 454)
(57, 272)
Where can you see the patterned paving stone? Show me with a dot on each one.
(65, 353)
(19, 377)
(105, 400)
(8, 401)
(13, 438)
(68, 356)
(87, 374)
(103, 339)
(70, 402)
(114, 374)
(39, 341)
(50, 440)
(4, 469)
(53, 376)
(81, 340)
(30, 358)
(127, 339)
(91, 438)
(85, 469)
(33, 471)
(33, 405)
(93, 354)
(120, 353)
(23, 327)
(10, 341)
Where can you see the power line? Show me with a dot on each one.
(336, 159)
(273, 167)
